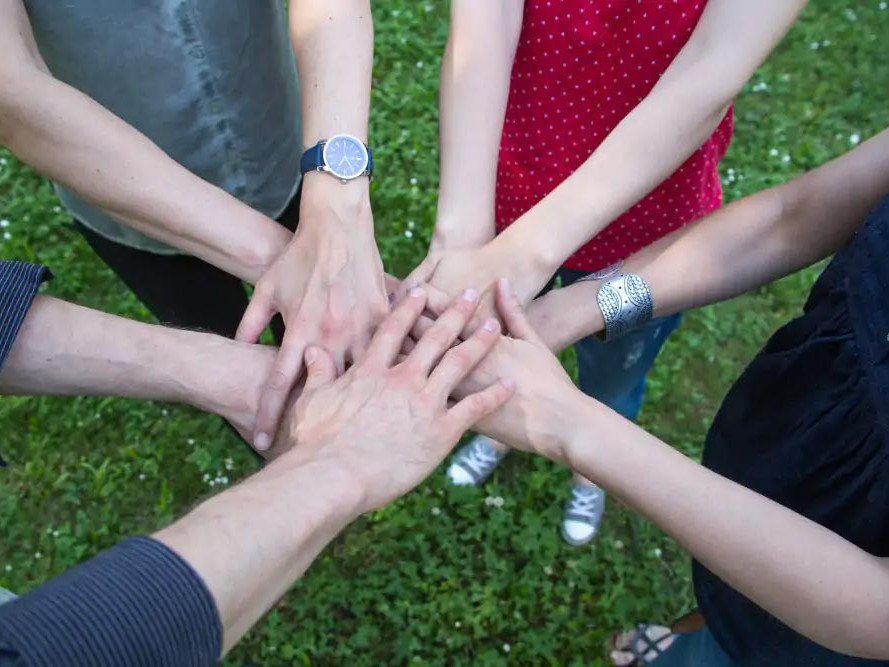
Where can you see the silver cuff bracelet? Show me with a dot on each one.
(626, 304)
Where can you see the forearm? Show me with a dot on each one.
(690, 99)
(71, 139)
(812, 579)
(249, 545)
(475, 76)
(65, 349)
(745, 245)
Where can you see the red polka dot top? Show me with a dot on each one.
(580, 67)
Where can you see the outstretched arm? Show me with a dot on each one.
(474, 88)
(328, 283)
(68, 137)
(815, 581)
(749, 243)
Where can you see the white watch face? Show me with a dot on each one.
(345, 156)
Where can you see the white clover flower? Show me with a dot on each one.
(413, 181)
(410, 224)
(785, 159)
(854, 139)
(619, 545)
(548, 570)
(49, 531)
(435, 511)
(206, 477)
(408, 233)
(489, 501)
(428, 7)
(4, 223)
(758, 87)
(456, 624)
(141, 476)
(229, 463)
(55, 533)
(396, 12)
(656, 552)
(815, 46)
(507, 648)
(7, 235)
(3, 160)
(190, 440)
(56, 209)
(774, 152)
(851, 15)
(498, 502)
(883, 6)
(419, 64)
(8, 568)
(826, 42)
(37, 554)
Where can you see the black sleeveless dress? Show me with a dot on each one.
(807, 425)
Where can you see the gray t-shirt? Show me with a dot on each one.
(212, 82)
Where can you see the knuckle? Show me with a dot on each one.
(458, 356)
(278, 381)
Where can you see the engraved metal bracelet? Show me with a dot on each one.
(626, 304)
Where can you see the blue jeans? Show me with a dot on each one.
(694, 649)
(614, 373)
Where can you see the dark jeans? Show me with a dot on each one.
(614, 373)
(694, 649)
(182, 290)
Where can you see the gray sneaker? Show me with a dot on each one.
(474, 462)
(583, 513)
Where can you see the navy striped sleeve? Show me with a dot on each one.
(138, 604)
(18, 286)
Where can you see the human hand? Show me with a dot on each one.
(534, 419)
(452, 270)
(386, 423)
(328, 286)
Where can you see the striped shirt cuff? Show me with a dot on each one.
(18, 286)
(138, 604)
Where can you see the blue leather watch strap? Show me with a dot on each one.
(370, 163)
(313, 158)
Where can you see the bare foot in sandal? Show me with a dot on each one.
(640, 646)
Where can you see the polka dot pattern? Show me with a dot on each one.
(581, 66)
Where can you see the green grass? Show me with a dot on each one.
(440, 577)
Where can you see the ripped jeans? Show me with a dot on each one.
(614, 373)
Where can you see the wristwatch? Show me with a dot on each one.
(342, 156)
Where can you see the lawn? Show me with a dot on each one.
(441, 577)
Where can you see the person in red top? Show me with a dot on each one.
(582, 131)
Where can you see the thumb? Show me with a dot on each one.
(513, 314)
(256, 318)
(320, 368)
(420, 275)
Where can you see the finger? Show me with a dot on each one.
(513, 314)
(256, 318)
(357, 350)
(479, 405)
(391, 284)
(424, 323)
(392, 332)
(339, 362)
(418, 276)
(437, 301)
(285, 372)
(442, 334)
(406, 348)
(459, 361)
(320, 368)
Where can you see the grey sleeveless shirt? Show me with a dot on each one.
(212, 82)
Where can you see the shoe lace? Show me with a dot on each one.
(584, 501)
(480, 458)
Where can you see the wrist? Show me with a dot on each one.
(333, 486)
(526, 269)
(266, 243)
(323, 193)
(220, 375)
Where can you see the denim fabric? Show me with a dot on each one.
(614, 373)
(694, 649)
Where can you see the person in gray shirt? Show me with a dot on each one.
(173, 130)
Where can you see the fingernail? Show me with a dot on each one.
(470, 294)
(509, 384)
(261, 443)
(311, 355)
(410, 285)
(491, 324)
(417, 292)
